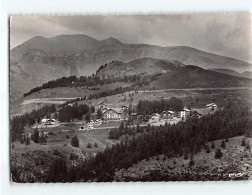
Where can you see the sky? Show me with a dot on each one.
(226, 34)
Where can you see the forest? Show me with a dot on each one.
(68, 113)
(88, 81)
(184, 138)
(145, 107)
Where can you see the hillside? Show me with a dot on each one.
(194, 77)
(138, 66)
(66, 55)
(246, 74)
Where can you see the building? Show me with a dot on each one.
(101, 106)
(155, 118)
(196, 114)
(112, 115)
(211, 106)
(124, 108)
(185, 113)
(47, 121)
(25, 136)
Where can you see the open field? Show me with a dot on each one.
(58, 95)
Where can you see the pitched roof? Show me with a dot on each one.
(211, 104)
(114, 110)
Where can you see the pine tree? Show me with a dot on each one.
(218, 153)
(213, 145)
(248, 146)
(223, 145)
(36, 136)
(28, 141)
(243, 142)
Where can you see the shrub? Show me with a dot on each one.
(218, 153)
(67, 137)
(75, 141)
(95, 145)
(89, 145)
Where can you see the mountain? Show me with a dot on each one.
(247, 74)
(195, 77)
(142, 65)
(66, 55)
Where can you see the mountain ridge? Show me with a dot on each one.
(66, 55)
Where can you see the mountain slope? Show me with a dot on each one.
(194, 77)
(142, 65)
(66, 55)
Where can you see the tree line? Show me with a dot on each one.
(145, 107)
(185, 138)
(68, 113)
(74, 81)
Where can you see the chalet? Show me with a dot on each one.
(155, 117)
(101, 106)
(124, 108)
(112, 115)
(134, 116)
(167, 114)
(211, 106)
(196, 114)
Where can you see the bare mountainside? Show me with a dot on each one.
(66, 55)
(195, 77)
(138, 66)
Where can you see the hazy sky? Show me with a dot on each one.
(224, 34)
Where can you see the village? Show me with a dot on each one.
(106, 117)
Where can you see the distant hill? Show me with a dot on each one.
(195, 77)
(138, 66)
(246, 74)
(66, 55)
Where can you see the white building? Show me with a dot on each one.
(112, 115)
(211, 106)
(47, 121)
(185, 113)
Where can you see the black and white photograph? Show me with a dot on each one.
(130, 98)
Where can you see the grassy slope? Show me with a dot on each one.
(26, 104)
(205, 163)
(195, 77)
